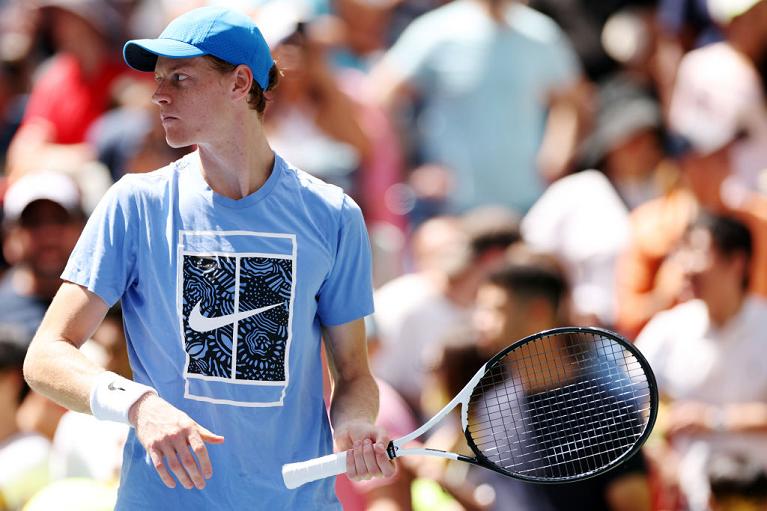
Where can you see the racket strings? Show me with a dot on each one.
(560, 406)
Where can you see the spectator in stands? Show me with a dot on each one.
(527, 295)
(42, 221)
(737, 483)
(718, 107)
(73, 89)
(707, 357)
(23, 456)
(502, 97)
(313, 123)
(421, 311)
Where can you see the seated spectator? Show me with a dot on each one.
(707, 357)
(648, 281)
(73, 89)
(23, 456)
(527, 295)
(42, 221)
(582, 220)
(314, 124)
(421, 310)
(737, 483)
(718, 107)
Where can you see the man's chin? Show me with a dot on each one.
(175, 143)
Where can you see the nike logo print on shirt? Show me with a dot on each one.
(200, 323)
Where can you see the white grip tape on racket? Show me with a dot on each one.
(302, 472)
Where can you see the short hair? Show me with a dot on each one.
(737, 475)
(256, 97)
(729, 236)
(13, 349)
(491, 227)
(531, 274)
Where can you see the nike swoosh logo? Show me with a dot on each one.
(200, 323)
(113, 386)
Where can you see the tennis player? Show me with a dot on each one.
(230, 264)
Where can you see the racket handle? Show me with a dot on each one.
(302, 472)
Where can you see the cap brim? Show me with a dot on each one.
(141, 54)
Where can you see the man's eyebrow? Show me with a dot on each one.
(174, 66)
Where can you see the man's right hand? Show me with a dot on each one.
(171, 437)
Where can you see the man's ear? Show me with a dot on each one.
(743, 264)
(243, 80)
(12, 246)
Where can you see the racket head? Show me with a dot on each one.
(562, 405)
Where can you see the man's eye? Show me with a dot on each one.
(179, 77)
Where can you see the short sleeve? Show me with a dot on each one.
(563, 66)
(347, 292)
(409, 55)
(652, 342)
(103, 260)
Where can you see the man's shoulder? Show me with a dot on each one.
(151, 183)
(691, 310)
(681, 321)
(534, 25)
(313, 190)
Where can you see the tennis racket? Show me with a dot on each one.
(561, 405)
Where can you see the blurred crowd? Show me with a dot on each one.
(522, 165)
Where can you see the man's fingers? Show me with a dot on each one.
(188, 463)
(209, 437)
(175, 467)
(351, 467)
(157, 460)
(385, 464)
(197, 445)
(359, 461)
(369, 456)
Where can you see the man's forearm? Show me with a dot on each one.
(58, 370)
(355, 399)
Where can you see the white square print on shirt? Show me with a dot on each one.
(235, 303)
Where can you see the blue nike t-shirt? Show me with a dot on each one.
(223, 302)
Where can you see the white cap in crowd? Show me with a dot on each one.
(46, 185)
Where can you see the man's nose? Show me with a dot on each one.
(161, 96)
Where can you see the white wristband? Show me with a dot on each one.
(112, 396)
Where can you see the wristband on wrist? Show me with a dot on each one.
(112, 396)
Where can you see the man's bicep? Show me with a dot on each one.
(74, 315)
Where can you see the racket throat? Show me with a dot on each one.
(391, 450)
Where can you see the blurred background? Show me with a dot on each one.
(521, 165)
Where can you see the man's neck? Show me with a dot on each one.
(8, 427)
(238, 166)
(723, 310)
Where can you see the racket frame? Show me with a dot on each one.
(296, 474)
(396, 448)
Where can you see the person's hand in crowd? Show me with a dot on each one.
(691, 418)
(170, 437)
(671, 285)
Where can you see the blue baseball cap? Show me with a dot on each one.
(229, 35)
